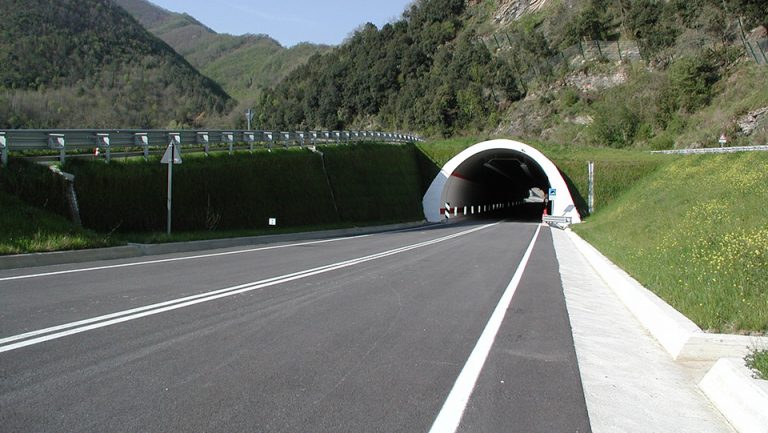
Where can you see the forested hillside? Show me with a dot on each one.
(425, 72)
(531, 68)
(243, 65)
(88, 63)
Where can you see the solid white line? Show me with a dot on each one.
(177, 259)
(448, 419)
(136, 313)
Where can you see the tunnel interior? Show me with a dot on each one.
(497, 183)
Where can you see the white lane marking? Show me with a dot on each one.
(448, 419)
(178, 259)
(136, 313)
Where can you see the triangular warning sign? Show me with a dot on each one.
(167, 155)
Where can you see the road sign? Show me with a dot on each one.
(172, 156)
(723, 139)
(552, 193)
(171, 150)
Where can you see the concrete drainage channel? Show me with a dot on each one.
(728, 383)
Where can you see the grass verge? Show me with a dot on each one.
(27, 229)
(695, 233)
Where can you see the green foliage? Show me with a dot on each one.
(223, 192)
(593, 22)
(648, 21)
(757, 360)
(691, 81)
(614, 125)
(87, 63)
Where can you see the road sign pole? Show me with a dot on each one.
(170, 185)
(591, 175)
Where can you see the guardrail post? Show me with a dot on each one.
(229, 138)
(249, 137)
(102, 140)
(313, 135)
(286, 137)
(57, 141)
(204, 139)
(269, 138)
(301, 139)
(3, 150)
(176, 137)
(142, 139)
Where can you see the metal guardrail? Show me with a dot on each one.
(713, 150)
(561, 222)
(62, 140)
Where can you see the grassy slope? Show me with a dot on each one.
(29, 229)
(695, 233)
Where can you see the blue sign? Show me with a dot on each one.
(552, 193)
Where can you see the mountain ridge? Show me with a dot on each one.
(91, 64)
(243, 64)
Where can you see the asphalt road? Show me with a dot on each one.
(362, 334)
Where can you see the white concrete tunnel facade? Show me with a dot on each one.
(451, 187)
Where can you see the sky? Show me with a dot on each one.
(290, 21)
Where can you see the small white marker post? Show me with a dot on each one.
(723, 140)
(171, 157)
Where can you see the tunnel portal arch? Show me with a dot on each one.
(496, 174)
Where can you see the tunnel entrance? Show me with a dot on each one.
(499, 179)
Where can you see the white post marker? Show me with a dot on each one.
(723, 140)
(171, 156)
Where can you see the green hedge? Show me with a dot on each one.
(369, 183)
(36, 185)
(375, 183)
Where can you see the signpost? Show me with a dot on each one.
(552, 194)
(723, 140)
(249, 116)
(591, 174)
(171, 157)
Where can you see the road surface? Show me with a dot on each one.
(458, 327)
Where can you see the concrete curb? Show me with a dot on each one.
(140, 250)
(741, 399)
(729, 384)
(679, 336)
